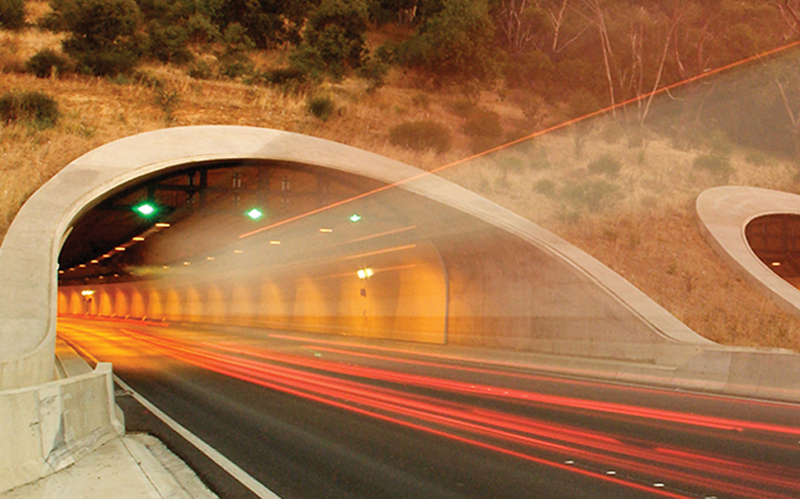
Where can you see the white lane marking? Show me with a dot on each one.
(611, 472)
(231, 468)
(658, 485)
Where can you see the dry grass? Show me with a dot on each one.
(663, 253)
(96, 111)
(646, 229)
(17, 47)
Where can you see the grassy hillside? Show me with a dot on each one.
(623, 193)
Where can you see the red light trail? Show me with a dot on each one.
(478, 415)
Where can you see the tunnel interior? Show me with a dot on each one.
(775, 239)
(326, 252)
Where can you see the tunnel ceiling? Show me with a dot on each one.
(114, 236)
(201, 216)
(775, 239)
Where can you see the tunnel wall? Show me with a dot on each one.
(484, 287)
(406, 298)
(507, 293)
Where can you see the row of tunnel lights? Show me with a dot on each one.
(148, 209)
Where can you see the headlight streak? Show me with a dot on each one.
(581, 377)
(504, 432)
(486, 390)
(354, 397)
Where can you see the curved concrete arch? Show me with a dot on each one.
(725, 212)
(29, 255)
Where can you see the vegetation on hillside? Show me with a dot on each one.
(578, 55)
(430, 82)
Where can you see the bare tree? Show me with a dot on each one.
(788, 10)
(794, 116)
(558, 40)
(598, 18)
(672, 25)
(514, 21)
(406, 15)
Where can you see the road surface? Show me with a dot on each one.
(326, 416)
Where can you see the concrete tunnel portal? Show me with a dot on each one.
(443, 264)
(391, 264)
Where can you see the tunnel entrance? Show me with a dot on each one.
(265, 244)
(775, 239)
(121, 233)
(285, 246)
(327, 243)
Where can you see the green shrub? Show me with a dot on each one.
(483, 123)
(540, 160)
(605, 165)
(591, 195)
(581, 102)
(168, 43)
(321, 106)
(374, 71)
(421, 101)
(201, 30)
(104, 34)
(234, 66)
(530, 104)
(545, 187)
(233, 61)
(118, 79)
(290, 79)
(44, 62)
(759, 158)
(38, 108)
(484, 129)
(166, 99)
(454, 46)
(463, 108)
(284, 76)
(716, 164)
(334, 41)
(145, 79)
(200, 70)
(421, 135)
(509, 163)
(12, 14)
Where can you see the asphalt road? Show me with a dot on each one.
(320, 416)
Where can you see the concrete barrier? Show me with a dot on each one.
(47, 427)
